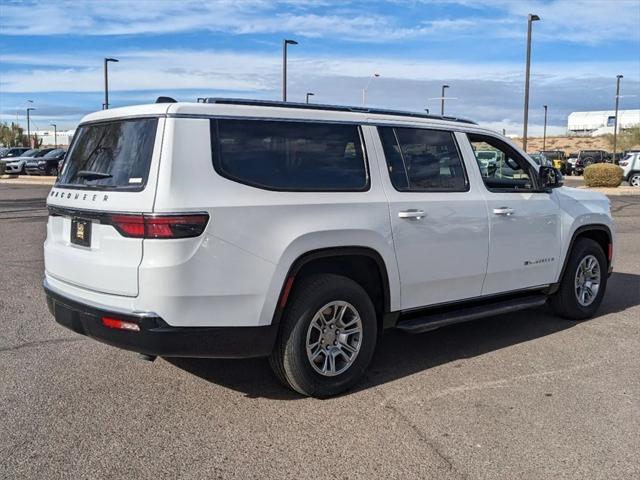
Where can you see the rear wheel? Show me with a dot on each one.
(634, 179)
(327, 337)
(584, 282)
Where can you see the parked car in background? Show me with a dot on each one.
(630, 165)
(13, 152)
(589, 157)
(48, 164)
(487, 160)
(16, 165)
(559, 160)
(540, 159)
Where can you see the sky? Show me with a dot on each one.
(51, 52)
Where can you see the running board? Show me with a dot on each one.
(433, 321)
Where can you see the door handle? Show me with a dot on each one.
(412, 213)
(504, 211)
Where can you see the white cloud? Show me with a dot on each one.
(582, 21)
(227, 70)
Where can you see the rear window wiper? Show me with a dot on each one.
(89, 175)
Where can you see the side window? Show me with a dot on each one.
(293, 156)
(422, 160)
(501, 167)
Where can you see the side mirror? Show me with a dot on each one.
(550, 177)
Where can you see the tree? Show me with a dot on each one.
(13, 135)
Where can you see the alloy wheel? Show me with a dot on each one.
(334, 338)
(587, 280)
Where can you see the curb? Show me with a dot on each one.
(614, 192)
(26, 180)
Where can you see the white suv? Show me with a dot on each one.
(234, 228)
(631, 168)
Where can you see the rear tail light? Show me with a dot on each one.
(120, 324)
(159, 226)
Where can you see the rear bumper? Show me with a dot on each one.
(156, 337)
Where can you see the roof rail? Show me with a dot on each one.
(332, 108)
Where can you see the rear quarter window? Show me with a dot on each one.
(290, 156)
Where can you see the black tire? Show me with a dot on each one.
(634, 179)
(289, 359)
(565, 302)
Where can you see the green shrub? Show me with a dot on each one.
(603, 175)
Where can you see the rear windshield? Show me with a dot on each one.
(111, 156)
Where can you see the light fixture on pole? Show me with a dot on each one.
(442, 100)
(29, 124)
(309, 94)
(105, 106)
(366, 87)
(544, 132)
(615, 121)
(55, 135)
(285, 43)
(530, 19)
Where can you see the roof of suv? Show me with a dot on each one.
(278, 110)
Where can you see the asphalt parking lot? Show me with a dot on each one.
(524, 396)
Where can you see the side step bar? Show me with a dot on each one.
(427, 322)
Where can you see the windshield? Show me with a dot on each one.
(111, 155)
(486, 155)
(54, 153)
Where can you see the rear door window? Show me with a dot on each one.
(113, 155)
(290, 156)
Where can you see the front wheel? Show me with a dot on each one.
(327, 337)
(583, 283)
(634, 179)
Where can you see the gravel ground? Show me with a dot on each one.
(524, 396)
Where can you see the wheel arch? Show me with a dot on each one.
(355, 262)
(600, 233)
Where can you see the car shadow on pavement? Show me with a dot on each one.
(401, 354)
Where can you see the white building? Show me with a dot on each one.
(48, 137)
(598, 123)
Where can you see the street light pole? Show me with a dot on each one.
(105, 106)
(29, 125)
(615, 121)
(531, 18)
(309, 94)
(55, 135)
(366, 87)
(285, 43)
(544, 134)
(442, 100)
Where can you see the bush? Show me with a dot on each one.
(603, 175)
